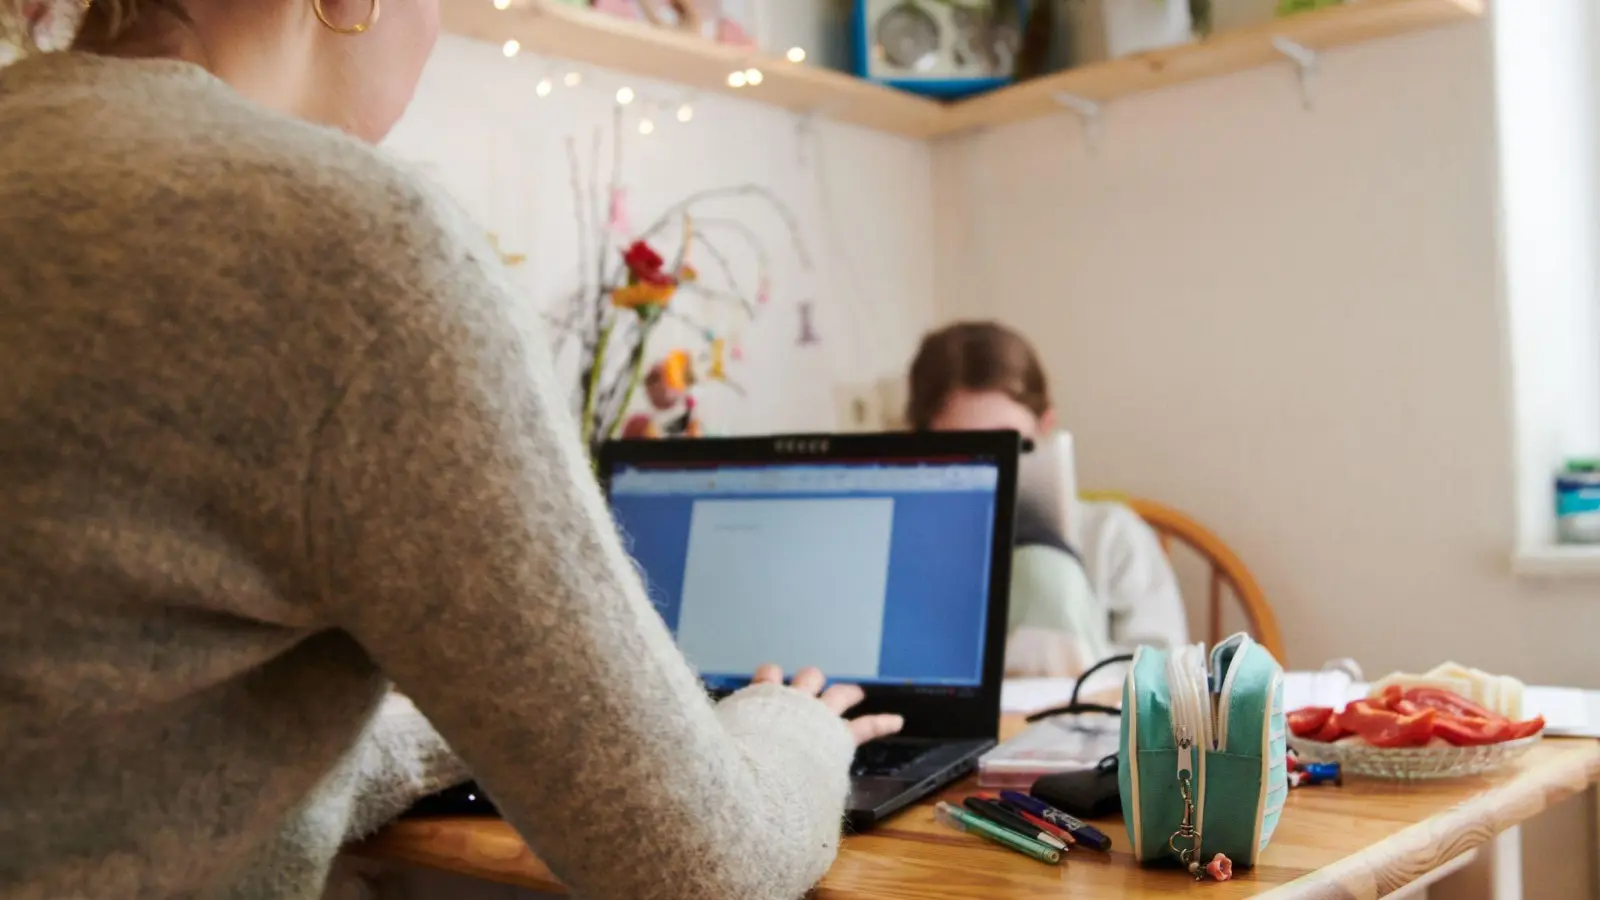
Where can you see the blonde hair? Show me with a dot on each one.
(82, 23)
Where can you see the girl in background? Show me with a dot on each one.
(1070, 607)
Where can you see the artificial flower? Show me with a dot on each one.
(1220, 868)
(719, 360)
(677, 370)
(640, 295)
(643, 262)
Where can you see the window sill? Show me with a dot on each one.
(1573, 561)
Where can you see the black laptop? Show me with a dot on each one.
(884, 560)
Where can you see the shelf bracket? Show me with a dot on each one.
(1088, 112)
(1305, 60)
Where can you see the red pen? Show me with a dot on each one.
(1046, 827)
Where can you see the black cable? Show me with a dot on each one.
(1073, 706)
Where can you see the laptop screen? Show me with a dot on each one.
(877, 572)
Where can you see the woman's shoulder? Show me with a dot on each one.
(158, 135)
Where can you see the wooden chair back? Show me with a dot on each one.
(1227, 571)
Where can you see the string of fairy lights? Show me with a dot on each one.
(652, 110)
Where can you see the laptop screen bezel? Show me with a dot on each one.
(930, 712)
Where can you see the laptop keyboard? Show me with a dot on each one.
(886, 759)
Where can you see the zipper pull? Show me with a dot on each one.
(1185, 757)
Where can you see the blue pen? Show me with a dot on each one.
(1081, 831)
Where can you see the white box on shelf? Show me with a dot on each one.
(1099, 30)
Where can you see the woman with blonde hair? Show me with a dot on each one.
(269, 440)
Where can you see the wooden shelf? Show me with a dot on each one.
(599, 39)
(1236, 50)
(579, 34)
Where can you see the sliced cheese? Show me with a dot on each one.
(1407, 681)
(1498, 693)
(1510, 698)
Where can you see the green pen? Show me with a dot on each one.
(961, 820)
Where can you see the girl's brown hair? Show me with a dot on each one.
(974, 356)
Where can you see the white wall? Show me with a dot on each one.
(1288, 323)
(862, 200)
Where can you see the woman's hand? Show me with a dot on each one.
(839, 698)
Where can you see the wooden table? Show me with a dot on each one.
(1366, 839)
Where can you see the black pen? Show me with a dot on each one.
(1010, 821)
(1082, 831)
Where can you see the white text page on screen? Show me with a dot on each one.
(792, 582)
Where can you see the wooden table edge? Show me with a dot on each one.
(498, 855)
(1400, 859)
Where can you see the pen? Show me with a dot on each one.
(1042, 825)
(1007, 819)
(961, 820)
(1083, 832)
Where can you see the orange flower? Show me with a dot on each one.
(677, 370)
(641, 294)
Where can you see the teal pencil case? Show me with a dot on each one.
(1202, 765)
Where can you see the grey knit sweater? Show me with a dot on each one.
(268, 439)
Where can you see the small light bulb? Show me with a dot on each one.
(736, 79)
(511, 48)
(752, 76)
(797, 54)
(572, 79)
(544, 87)
(685, 113)
(502, 4)
(647, 127)
(625, 95)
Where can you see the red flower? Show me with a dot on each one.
(641, 260)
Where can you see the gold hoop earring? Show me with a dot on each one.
(322, 16)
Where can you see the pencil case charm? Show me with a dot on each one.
(1202, 762)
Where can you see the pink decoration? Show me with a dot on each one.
(638, 427)
(763, 293)
(737, 353)
(730, 32)
(618, 221)
(627, 9)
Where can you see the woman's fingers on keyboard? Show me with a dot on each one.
(809, 680)
(870, 728)
(841, 697)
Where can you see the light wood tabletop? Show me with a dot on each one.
(1365, 839)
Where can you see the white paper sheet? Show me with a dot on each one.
(1026, 695)
(1328, 688)
(1568, 712)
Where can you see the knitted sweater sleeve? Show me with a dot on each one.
(467, 548)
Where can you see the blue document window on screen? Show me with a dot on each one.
(875, 573)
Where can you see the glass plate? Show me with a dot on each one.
(1409, 763)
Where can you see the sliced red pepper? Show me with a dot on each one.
(1466, 731)
(1329, 732)
(1450, 703)
(1520, 730)
(1387, 699)
(1306, 722)
(1383, 728)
